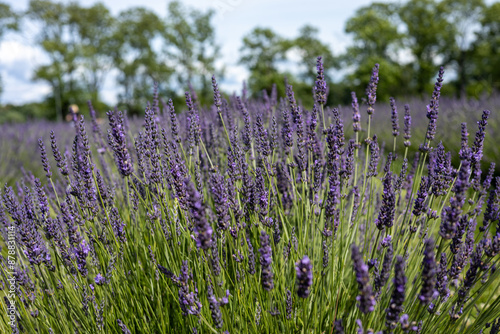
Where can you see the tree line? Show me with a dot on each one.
(409, 40)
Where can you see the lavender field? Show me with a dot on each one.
(255, 216)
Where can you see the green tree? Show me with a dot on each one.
(94, 30)
(57, 39)
(486, 48)
(465, 16)
(261, 53)
(429, 34)
(8, 21)
(78, 42)
(375, 33)
(376, 39)
(190, 44)
(137, 58)
(309, 47)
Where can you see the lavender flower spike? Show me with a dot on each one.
(407, 128)
(388, 208)
(429, 271)
(123, 327)
(214, 307)
(266, 260)
(374, 157)
(217, 97)
(197, 211)
(398, 295)
(432, 111)
(371, 90)
(117, 140)
(304, 276)
(394, 117)
(356, 117)
(320, 88)
(45, 161)
(366, 299)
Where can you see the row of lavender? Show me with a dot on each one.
(254, 216)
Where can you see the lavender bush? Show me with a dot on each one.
(253, 216)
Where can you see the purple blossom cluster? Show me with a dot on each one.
(230, 196)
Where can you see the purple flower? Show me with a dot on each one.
(215, 256)
(356, 116)
(214, 306)
(117, 140)
(260, 191)
(251, 257)
(394, 117)
(492, 211)
(429, 270)
(402, 175)
(320, 88)
(60, 159)
(457, 241)
(366, 299)
(326, 251)
(458, 263)
(221, 201)
(262, 137)
(266, 260)
(338, 328)
(407, 129)
(71, 228)
(81, 251)
(301, 142)
(188, 300)
(45, 161)
(386, 242)
(464, 150)
(123, 327)
(432, 111)
(174, 123)
(476, 265)
(202, 228)
(398, 294)
(442, 278)
(286, 131)
(42, 199)
(118, 225)
(374, 157)
(289, 304)
(217, 96)
(440, 170)
(246, 135)
(420, 206)
(193, 124)
(99, 279)
(477, 150)
(304, 276)
(371, 90)
(451, 213)
(355, 203)
(406, 325)
(292, 102)
(387, 210)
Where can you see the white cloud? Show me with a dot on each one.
(233, 82)
(18, 61)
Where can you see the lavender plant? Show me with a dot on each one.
(184, 223)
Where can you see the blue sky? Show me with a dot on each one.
(234, 19)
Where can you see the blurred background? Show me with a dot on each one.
(57, 54)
